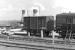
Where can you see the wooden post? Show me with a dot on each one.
(53, 36)
(29, 34)
(70, 35)
(41, 33)
(66, 37)
(66, 34)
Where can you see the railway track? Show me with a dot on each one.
(9, 42)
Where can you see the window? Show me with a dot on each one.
(69, 20)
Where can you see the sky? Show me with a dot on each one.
(11, 9)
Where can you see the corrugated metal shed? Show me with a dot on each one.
(38, 22)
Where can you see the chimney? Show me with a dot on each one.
(24, 13)
(35, 11)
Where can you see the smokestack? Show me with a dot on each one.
(24, 13)
(35, 11)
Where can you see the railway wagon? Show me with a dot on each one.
(65, 24)
(34, 24)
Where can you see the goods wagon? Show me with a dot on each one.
(35, 24)
(65, 24)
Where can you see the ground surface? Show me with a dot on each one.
(34, 41)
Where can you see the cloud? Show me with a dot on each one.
(67, 5)
(40, 5)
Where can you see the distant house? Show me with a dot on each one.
(20, 24)
(5, 27)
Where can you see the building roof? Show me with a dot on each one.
(5, 26)
(70, 14)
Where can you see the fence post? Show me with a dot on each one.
(53, 36)
(41, 33)
(29, 34)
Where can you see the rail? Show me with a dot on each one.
(7, 42)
